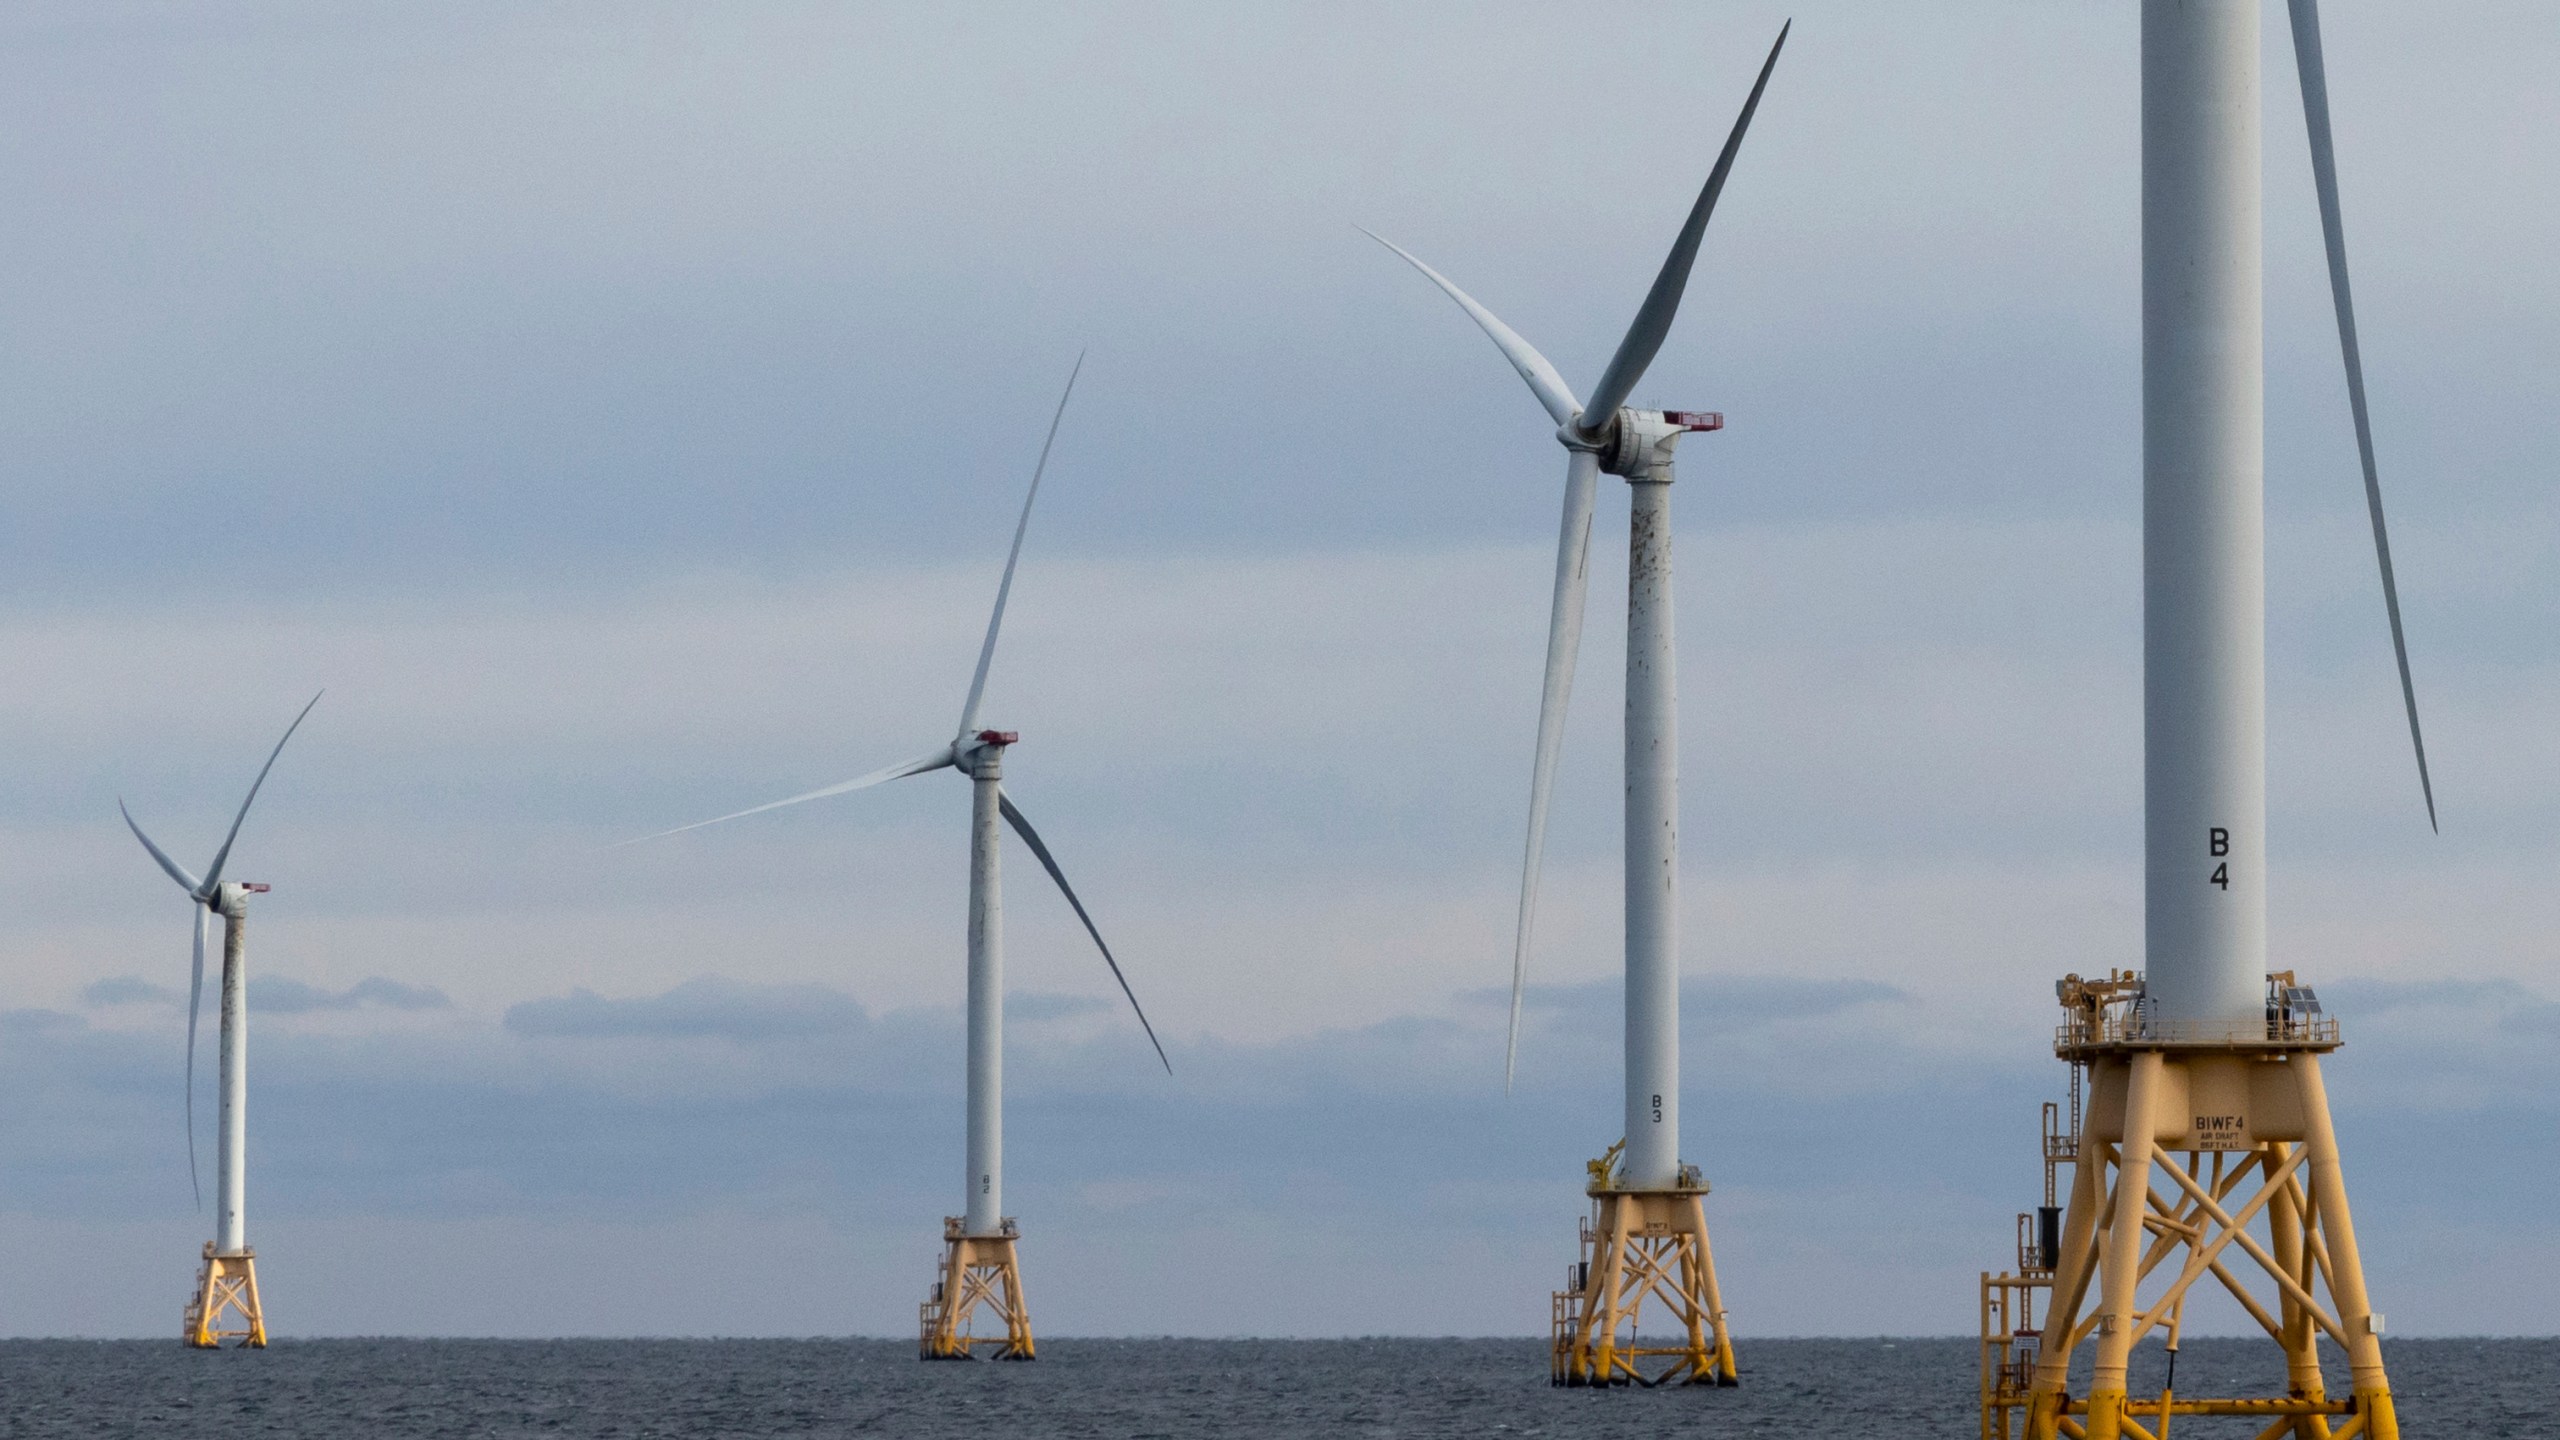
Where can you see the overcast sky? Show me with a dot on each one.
(621, 409)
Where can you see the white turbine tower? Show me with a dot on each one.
(1649, 1224)
(2205, 1069)
(226, 1292)
(979, 1262)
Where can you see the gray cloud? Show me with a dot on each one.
(2542, 1022)
(708, 1008)
(128, 990)
(1735, 1002)
(277, 995)
(1037, 1005)
(37, 1024)
(2453, 1047)
(274, 995)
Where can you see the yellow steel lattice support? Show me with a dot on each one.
(224, 1305)
(2201, 1164)
(1641, 1247)
(980, 1275)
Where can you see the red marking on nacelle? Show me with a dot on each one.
(254, 888)
(1695, 419)
(998, 737)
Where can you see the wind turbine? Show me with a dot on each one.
(979, 1265)
(2205, 1055)
(1648, 1236)
(227, 1285)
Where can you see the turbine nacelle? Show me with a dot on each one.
(1638, 443)
(966, 750)
(231, 895)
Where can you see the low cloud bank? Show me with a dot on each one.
(271, 995)
(1842, 1143)
(707, 1008)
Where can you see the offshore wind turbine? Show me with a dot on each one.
(979, 1264)
(1648, 1236)
(224, 1304)
(2205, 1069)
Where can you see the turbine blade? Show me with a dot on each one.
(1004, 587)
(1549, 386)
(195, 1000)
(931, 760)
(213, 872)
(1564, 641)
(176, 871)
(1653, 319)
(2324, 173)
(1049, 862)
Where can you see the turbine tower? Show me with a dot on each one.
(2205, 1066)
(1648, 1233)
(979, 1265)
(224, 1305)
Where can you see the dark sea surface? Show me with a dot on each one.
(1477, 1388)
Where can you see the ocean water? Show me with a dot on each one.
(1115, 1388)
